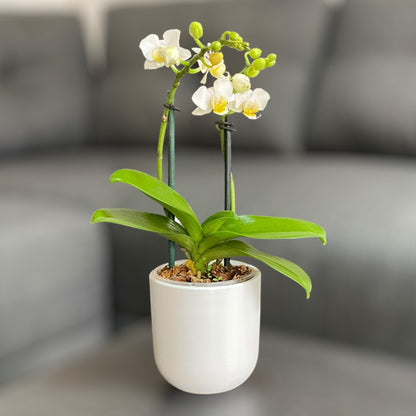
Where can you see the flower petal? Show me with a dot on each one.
(171, 37)
(147, 45)
(200, 112)
(202, 98)
(184, 54)
(152, 64)
(224, 87)
(261, 97)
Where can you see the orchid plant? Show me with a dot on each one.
(215, 238)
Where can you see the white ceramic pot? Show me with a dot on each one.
(205, 335)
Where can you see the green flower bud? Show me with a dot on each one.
(255, 53)
(234, 36)
(259, 64)
(252, 72)
(216, 46)
(195, 30)
(270, 63)
(271, 57)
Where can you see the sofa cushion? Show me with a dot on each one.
(53, 282)
(130, 100)
(44, 85)
(368, 95)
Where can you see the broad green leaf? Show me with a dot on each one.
(239, 248)
(161, 193)
(215, 221)
(154, 223)
(259, 227)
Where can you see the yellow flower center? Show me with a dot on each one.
(157, 54)
(215, 58)
(251, 110)
(220, 105)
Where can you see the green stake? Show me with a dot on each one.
(227, 174)
(171, 174)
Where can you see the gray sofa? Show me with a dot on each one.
(335, 146)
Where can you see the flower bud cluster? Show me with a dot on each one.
(259, 63)
(234, 40)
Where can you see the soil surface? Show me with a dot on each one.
(218, 273)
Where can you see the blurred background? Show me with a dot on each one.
(336, 146)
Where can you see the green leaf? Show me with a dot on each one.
(165, 196)
(259, 227)
(215, 221)
(154, 223)
(239, 248)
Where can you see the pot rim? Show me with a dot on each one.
(155, 276)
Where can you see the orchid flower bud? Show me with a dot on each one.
(216, 46)
(259, 64)
(196, 30)
(241, 83)
(255, 53)
(252, 72)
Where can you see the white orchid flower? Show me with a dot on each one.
(213, 63)
(163, 52)
(250, 102)
(216, 98)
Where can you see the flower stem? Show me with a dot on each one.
(171, 96)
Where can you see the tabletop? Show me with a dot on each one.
(295, 375)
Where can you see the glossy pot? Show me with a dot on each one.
(205, 335)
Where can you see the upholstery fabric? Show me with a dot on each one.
(367, 99)
(129, 96)
(44, 85)
(41, 299)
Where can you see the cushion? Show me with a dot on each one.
(130, 101)
(53, 281)
(367, 97)
(44, 86)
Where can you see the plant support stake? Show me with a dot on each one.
(227, 171)
(171, 172)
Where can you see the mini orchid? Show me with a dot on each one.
(216, 98)
(214, 239)
(250, 102)
(213, 63)
(163, 52)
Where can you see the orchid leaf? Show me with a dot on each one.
(259, 227)
(154, 223)
(215, 221)
(239, 248)
(164, 195)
